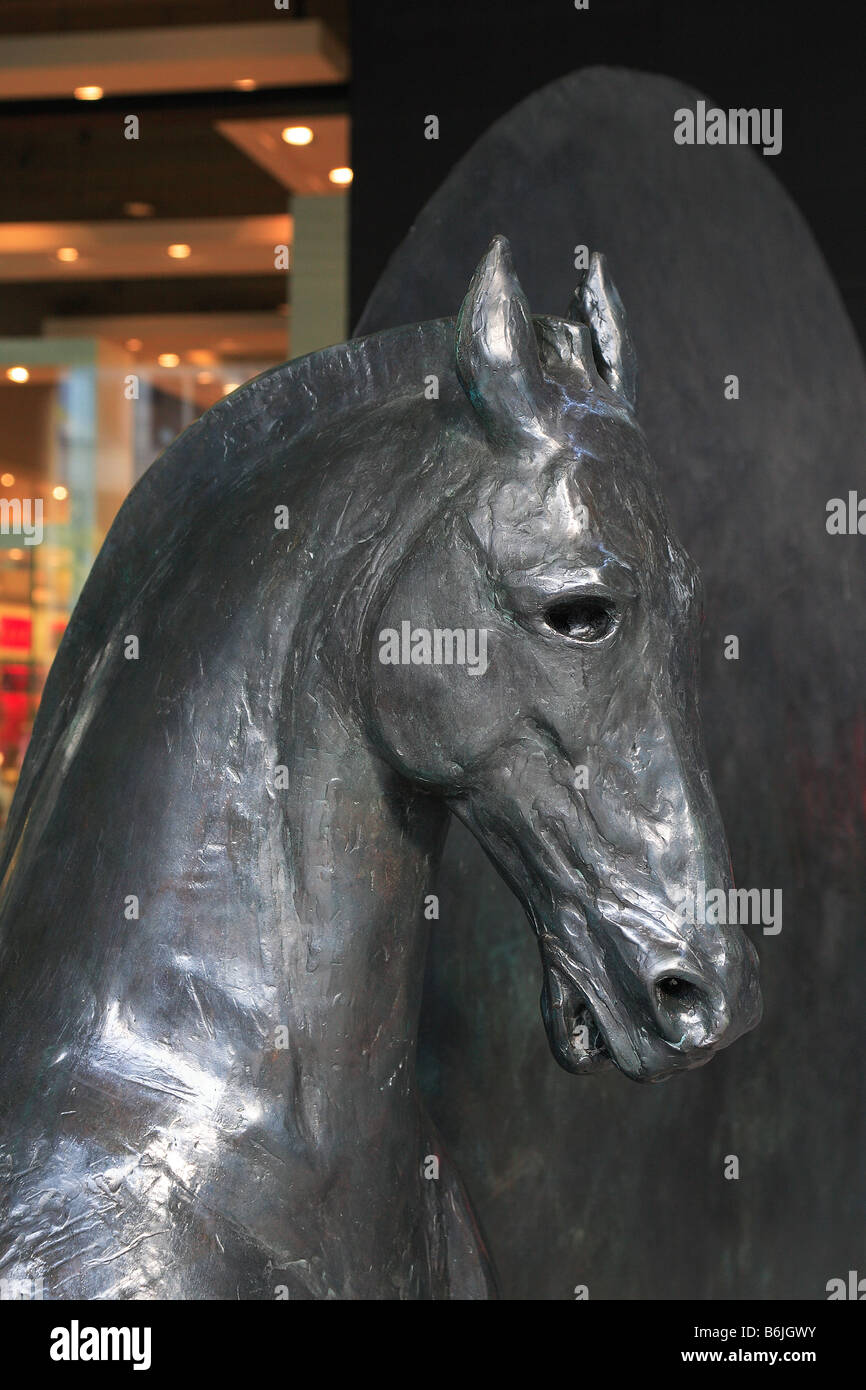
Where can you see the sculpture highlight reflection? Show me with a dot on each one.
(212, 926)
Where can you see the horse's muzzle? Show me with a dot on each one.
(671, 1017)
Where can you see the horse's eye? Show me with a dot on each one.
(586, 619)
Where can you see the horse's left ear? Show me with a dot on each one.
(498, 362)
(597, 304)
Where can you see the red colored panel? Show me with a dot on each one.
(15, 632)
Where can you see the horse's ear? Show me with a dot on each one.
(597, 304)
(497, 352)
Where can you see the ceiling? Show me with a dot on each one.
(191, 58)
(57, 16)
(208, 169)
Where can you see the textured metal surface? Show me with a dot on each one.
(212, 925)
(619, 1188)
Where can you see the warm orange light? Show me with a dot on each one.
(245, 84)
(204, 378)
(139, 209)
(87, 93)
(15, 554)
(133, 345)
(179, 251)
(67, 253)
(19, 374)
(7, 479)
(341, 175)
(297, 135)
(60, 493)
(168, 359)
(230, 386)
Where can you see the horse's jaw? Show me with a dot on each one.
(575, 1036)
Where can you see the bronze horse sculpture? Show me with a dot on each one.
(212, 920)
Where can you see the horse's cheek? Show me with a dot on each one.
(410, 717)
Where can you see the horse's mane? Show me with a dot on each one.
(268, 418)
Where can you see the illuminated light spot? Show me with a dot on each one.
(341, 175)
(87, 93)
(168, 359)
(19, 374)
(297, 135)
(60, 493)
(7, 479)
(179, 251)
(133, 345)
(67, 253)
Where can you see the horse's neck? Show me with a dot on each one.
(322, 897)
(278, 922)
(362, 851)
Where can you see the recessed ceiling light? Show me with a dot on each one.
(297, 135)
(139, 209)
(60, 493)
(87, 93)
(341, 175)
(179, 251)
(168, 359)
(7, 479)
(245, 84)
(133, 345)
(19, 374)
(67, 253)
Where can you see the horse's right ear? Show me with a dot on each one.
(597, 304)
(498, 363)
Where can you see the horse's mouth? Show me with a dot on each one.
(576, 1039)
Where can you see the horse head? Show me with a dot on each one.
(571, 743)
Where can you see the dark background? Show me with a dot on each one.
(469, 61)
(602, 1182)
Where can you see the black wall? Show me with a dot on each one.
(602, 1182)
(469, 61)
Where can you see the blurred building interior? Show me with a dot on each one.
(173, 221)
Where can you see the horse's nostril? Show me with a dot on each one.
(683, 1009)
